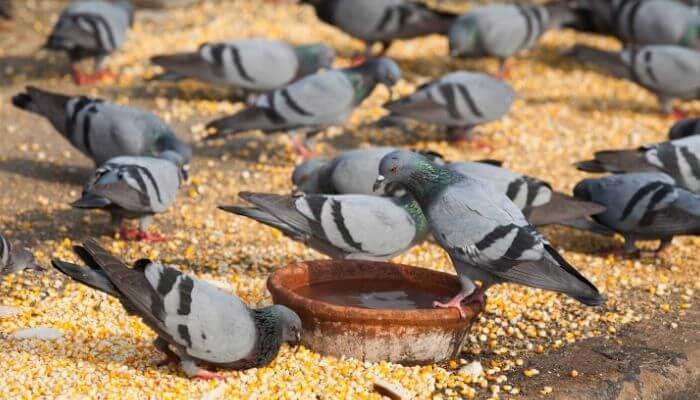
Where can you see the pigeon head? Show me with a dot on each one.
(412, 170)
(290, 323)
(166, 140)
(307, 174)
(313, 57)
(386, 71)
(583, 190)
(177, 159)
(20, 259)
(691, 37)
(464, 37)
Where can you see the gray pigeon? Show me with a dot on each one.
(134, 187)
(197, 323)
(535, 198)
(91, 28)
(502, 30)
(459, 101)
(15, 259)
(485, 234)
(312, 103)
(643, 206)
(684, 128)
(668, 71)
(102, 130)
(678, 158)
(382, 21)
(250, 65)
(644, 22)
(341, 226)
(350, 172)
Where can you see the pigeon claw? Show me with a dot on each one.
(205, 375)
(82, 78)
(678, 115)
(302, 149)
(139, 235)
(454, 303)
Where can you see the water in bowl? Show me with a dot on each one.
(374, 294)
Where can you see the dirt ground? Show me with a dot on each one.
(644, 343)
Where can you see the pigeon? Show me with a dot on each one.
(102, 130)
(668, 71)
(643, 206)
(678, 158)
(250, 65)
(351, 172)
(459, 101)
(502, 30)
(134, 187)
(644, 22)
(382, 21)
(13, 260)
(684, 128)
(485, 234)
(196, 323)
(91, 29)
(341, 226)
(540, 204)
(312, 103)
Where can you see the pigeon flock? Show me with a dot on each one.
(370, 203)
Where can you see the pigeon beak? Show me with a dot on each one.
(296, 192)
(378, 183)
(297, 342)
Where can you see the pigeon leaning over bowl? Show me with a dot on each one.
(502, 30)
(643, 206)
(14, 259)
(678, 158)
(644, 22)
(134, 188)
(341, 226)
(197, 323)
(249, 65)
(458, 101)
(100, 129)
(382, 21)
(350, 172)
(668, 71)
(535, 198)
(313, 103)
(91, 29)
(485, 234)
(684, 128)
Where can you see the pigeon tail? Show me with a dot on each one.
(261, 216)
(609, 61)
(47, 104)
(94, 278)
(583, 290)
(253, 118)
(25, 102)
(617, 161)
(562, 207)
(90, 201)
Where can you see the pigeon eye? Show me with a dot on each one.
(393, 169)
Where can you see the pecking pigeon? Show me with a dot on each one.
(350, 172)
(91, 28)
(643, 206)
(382, 21)
(668, 71)
(196, 323)
(485, 234)
(459, 101)
(134, 187)
(678, 158)
(312, 103)
(535, 198)
(15, 259)
(102, 130)
(502, 30)
(341, 226)
(643, 22)
(684, 128)
(250, 65)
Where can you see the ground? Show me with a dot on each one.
(647, 330)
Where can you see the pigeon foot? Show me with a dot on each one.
(139, 235)
(455, 302)
(205, 375)
(302, 149)
(82, 78)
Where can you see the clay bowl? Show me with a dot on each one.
(407, 336)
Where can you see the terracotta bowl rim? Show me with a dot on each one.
(333, 312)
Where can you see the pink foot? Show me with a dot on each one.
(139, 235)
(301, 148)
(455, 302)
(208, 375)
(81, 78)
(475, 143)
(678, 115)
(357, 61)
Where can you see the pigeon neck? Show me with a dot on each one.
(269, 336)
(362, 81)
(425, 182)
(414, 210)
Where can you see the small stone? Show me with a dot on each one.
(40, 332)
(473, 369)
(8, 311)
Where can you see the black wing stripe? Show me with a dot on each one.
(184, 333)
(637, 197)
(337, 212)
(470, 101)
(514, 189)
(448, 93)
(239, 64)
(293, 104)
(497, 233)
(386, 17)
(185, 290)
